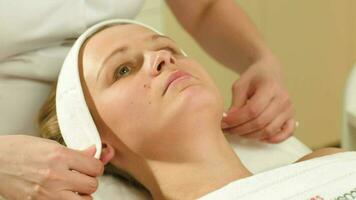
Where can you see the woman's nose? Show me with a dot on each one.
(162, 59)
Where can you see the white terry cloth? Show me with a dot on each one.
(259, 157)
(325, 178)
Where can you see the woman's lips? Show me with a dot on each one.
(176, 76)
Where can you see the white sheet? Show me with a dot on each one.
(328, 177)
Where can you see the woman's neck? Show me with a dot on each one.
(216, 165)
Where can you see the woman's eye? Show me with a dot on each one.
(122, 71)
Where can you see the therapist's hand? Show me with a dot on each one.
(36, 168)
(261, 107)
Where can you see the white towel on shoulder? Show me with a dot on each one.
(330, 177)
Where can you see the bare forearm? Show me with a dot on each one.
(223, 30)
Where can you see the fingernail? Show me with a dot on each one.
(224, 114)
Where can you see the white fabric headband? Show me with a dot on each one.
(75, 121)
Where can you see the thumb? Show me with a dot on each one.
(239, 98)
(239, 95)
(90, 151)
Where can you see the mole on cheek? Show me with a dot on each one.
(146, 86)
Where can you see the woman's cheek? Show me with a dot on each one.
(120, 106)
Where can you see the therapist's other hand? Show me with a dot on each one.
(261, 108)
(36, 168)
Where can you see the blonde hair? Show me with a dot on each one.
(49, 128)
(47, 118)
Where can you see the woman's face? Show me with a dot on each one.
(146, 91)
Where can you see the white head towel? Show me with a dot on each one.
(75, 121)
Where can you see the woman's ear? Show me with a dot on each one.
(107, 153)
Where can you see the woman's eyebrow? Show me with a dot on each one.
(118, 50)
(125, 48)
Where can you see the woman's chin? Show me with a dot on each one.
(197, 98)
(191, 102)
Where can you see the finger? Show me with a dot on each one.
(277, 106)
(260, 135)
(239, 94)
(90, 151)
(239, 98)
(254, 135)
(81, 183)
(286, 132)
(262, 120)
(277, 124)
(73, 196)
(252, 109)
(83, 163)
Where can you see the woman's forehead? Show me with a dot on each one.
(123, 32)
(108, 39)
